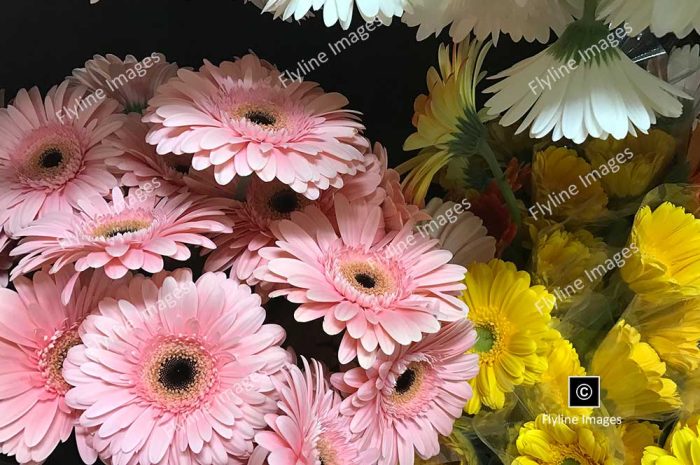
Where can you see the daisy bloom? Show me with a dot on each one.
(125, 234)
(682, 448)
(654, 14)
(267, 203)
(543, 442)
(141, 167)
(637, 435)
(632, 377)
(441, 125)
(655, 270)
(37, 333)
(337, 11)
(641, 161)
(530, 20)
(561, 257)
(581, 86)
(130, 82)
(310, 427)
(512, 324)
(403, 402)
(551, 392)
(554, 171)
(49, 159)
(459, 231)
(179, 374)
(382, 292)
(243, 117)
(672, 329)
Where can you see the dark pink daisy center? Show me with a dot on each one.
(275, 201)
(51, 360)
(413, 390)
(178, 374)
(120, 226)
(263, 115)
(367, 278)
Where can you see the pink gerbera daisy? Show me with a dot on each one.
(130, 82)
(140, 166)
(310, 428)
(36, 332)
(266, 203)
(383, 291)
(240, 118)
(125, 234)
(49, 160)
(404, 401)
(181, 374)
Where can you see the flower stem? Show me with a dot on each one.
(487, 154)
(589, 10)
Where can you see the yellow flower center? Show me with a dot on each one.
(52, 357)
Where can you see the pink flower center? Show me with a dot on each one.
(50, 157)
(412, 391)
(261, 114)
(275, 201)
(178, 374)
(367, 278)
(51, 360)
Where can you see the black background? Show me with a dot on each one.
(44, 40)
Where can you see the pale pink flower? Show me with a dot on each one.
(310, 428)
(50, 160)
(267, 203)
(180, 375)
(382, 291)
(240, 118)
(404, 401)
(459, 231)
(130, 82)
(131, 233)
(36, 332)
(140, 166)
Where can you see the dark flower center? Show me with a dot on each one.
(182, 169)
(178, 373)
(261, 118)
(365, 280)
(284, 202)
(124, 230)
(405, 381)
(51, 158)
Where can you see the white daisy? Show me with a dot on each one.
(582, 85)
(662, 17)
(521, 19)
(336, 11)
(684, 73)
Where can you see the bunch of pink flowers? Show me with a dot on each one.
(110, 330)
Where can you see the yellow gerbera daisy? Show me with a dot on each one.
(543, 442)
(564, 188)
(561, 260)
(632, 377)
(550, 394)
(634, 164)
(635, 437)
(673, 330)
(512, 324)
(682, 448)
(668, 261)
(442, 116)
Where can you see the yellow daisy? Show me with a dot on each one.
(632, 377)
(668, 260)
(634, 164)
(542, 442)
(636, 436)
(673, 330)
(512, 324)
(562, 187)
(682, 448)
(440, 117)
(550, 394)
(561, 260)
